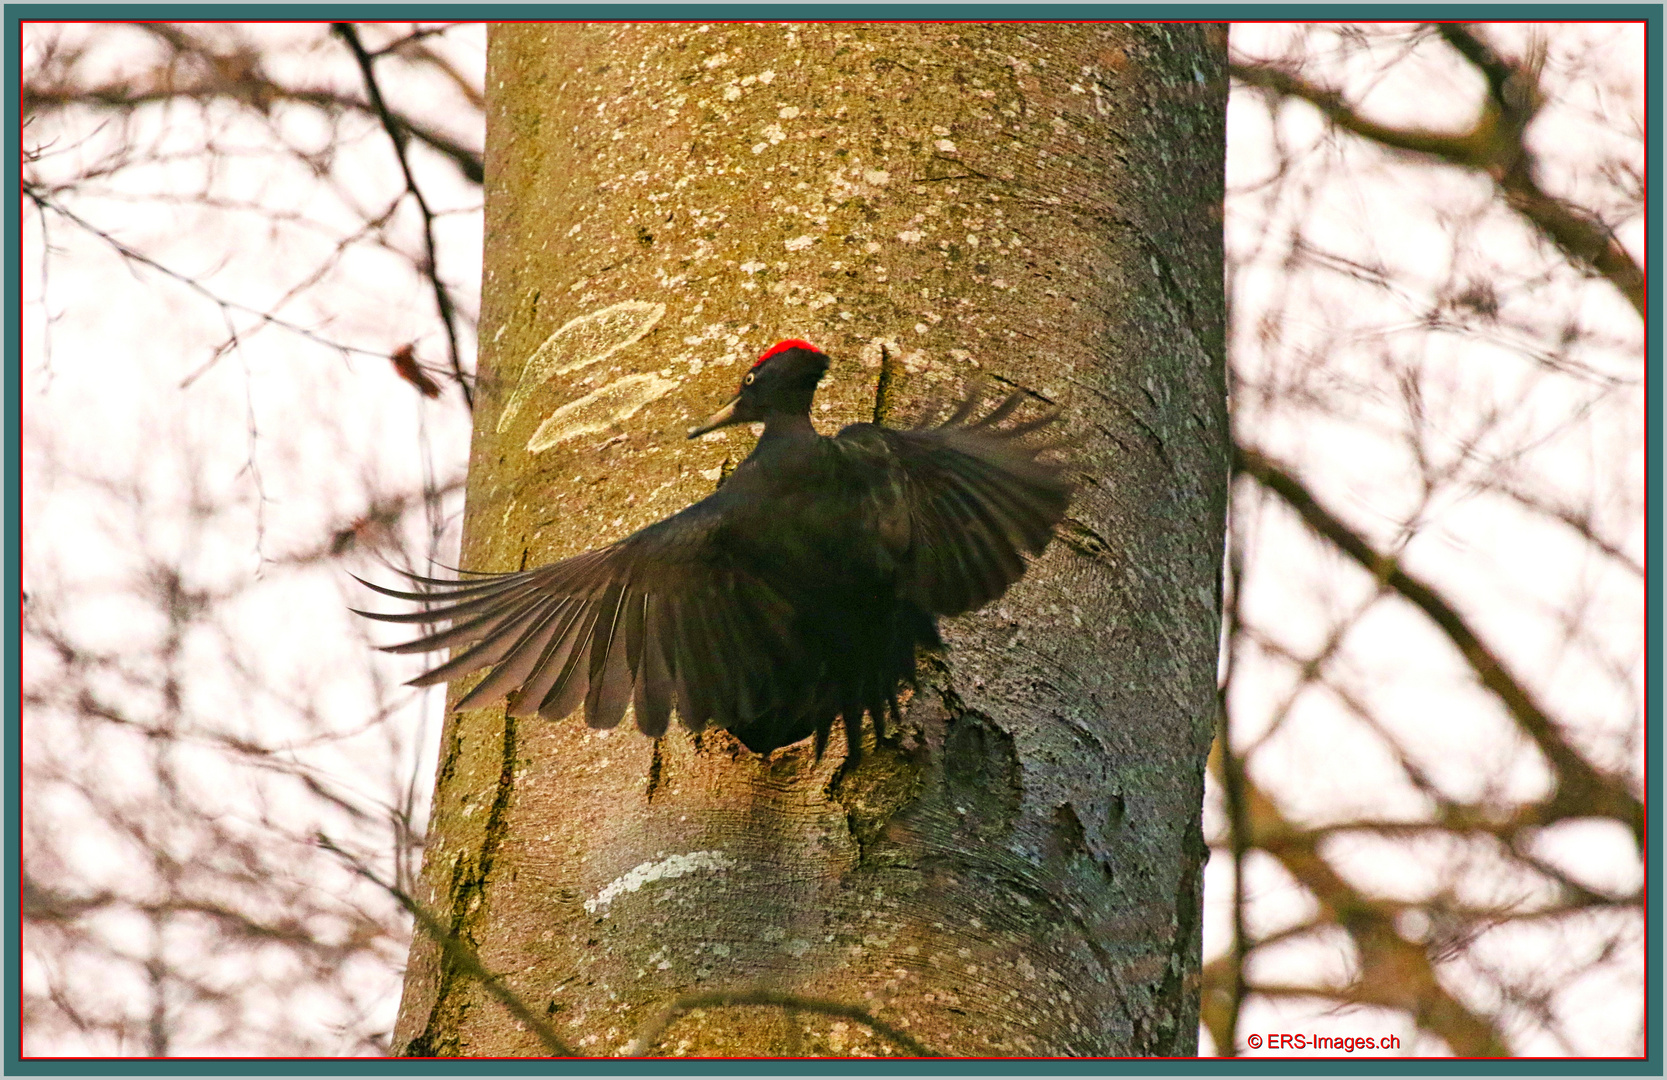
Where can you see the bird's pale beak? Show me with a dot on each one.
(722, 418)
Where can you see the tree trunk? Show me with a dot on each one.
(1019, 872)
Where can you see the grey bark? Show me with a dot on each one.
(1031, 205)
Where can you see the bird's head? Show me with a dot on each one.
(781, 383)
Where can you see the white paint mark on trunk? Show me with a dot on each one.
(646, 873)
(599, 410)
(579, 343)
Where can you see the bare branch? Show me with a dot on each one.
(1582, 789)
(46, 201)
(1394, 972)
(442, 297)
(239, 76)
(1494, 145)
(1224, 1022)
(1579, 521)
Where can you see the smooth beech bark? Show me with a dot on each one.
(1016, 872)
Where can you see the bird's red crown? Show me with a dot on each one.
(783, 346)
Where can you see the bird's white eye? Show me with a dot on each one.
(748, 380)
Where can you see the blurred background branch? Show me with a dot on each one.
(1494, 144)
(1459, 908)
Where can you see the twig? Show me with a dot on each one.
(43, 199)
(398, 135)
(252, 466)
(649, 1035)
(458, 952)
(414, 36)
(1580, 521)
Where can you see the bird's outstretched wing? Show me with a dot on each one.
(662, 615)
(977, 496)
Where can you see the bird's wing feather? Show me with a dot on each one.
(978, 496)
(661, 619)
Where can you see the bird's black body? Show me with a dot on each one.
(795, 594)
